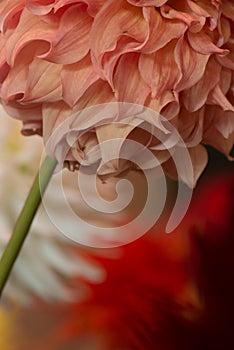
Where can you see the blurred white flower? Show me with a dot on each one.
(47, 259)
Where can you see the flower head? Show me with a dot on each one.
(175, 57)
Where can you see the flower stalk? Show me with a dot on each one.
(25, 219)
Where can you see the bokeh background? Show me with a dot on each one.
(162, 291)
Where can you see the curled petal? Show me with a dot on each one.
(156, 3)
(31, 30)
(202, 43)
(76, 78)
(195, 97)
(167, 104)
(219, 129)
(217, 97)
(160, 30)
(30, 115)
(4, 67)
(199, 158)
(159, 70)
(43, 82)
(14, 85)
(227, 8)
(110, 132)
(34, 81)
(41, 7)
(191, 20)
(9, 13)
(224, 29)
(190, 126)
(71, 42)
(192, 64)
(53, 115)
(128, 84)
(98, 93)
(207, 10)
(225, 123)
(225, 61)
(116, 19)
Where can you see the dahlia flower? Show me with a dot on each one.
(47, 260)
(175, 57)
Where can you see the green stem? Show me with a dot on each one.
(25, 219)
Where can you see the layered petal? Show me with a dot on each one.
(128, 84)
(76, 79)
(159, 70)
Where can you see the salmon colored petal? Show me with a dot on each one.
(199, 158)
(30, 115)
(190, 126)
(207, 10)
(71, 42)
(195, 97)
(225, 81)
(110, 59)
(4, 67)
(29, 30)
(217, 97)
(9, 13)
(167, 104)
(98, 93)
(225, 124)
(227, 8)
(202, 43)
(128, 84)
(15, 83)
(32, 81)
(192, 64)
(53, 115)
(43, 82)
(159, 70)
(116, 19)
(194, 22)
(161, 31)
(111, 156)
(156, 3)
(41, 7)
(219, 129)
(225, 31)
(225, 61)
(76, 78)
(94, 6)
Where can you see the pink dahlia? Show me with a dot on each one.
(175, 57)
